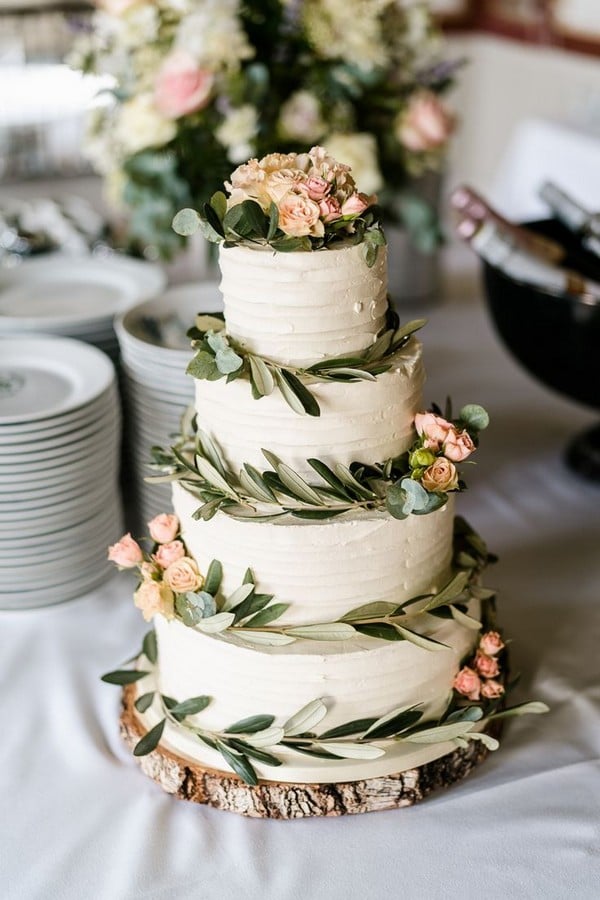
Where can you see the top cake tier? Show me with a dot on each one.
(299, 308)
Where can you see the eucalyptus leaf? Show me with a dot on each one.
(214, 477)
(214, 575)
(486, 739)
(349, 750)
(474, 416)
(533, 707)
(346, 476)
(250, 725)
(296, 395)
(124, 676)
(261, 376)
(298, 485)
(186, 222)
(189, 707)
(382, 630)
(393, 723)
(263, 638)
(306, 718)
(203, 367)
(150, 647)
(254, 484)
(463, 619)
(144, 702)
(150, 741)
(354, 374)
(216, 624)
(329, 476)
(268, 737)
(467, 714)
(327, 631)
(407, 330)
(211, 451)
(419, 640)
(270, 614)
(440, 733)
(237, 597)
(357, 726)
(377, 609)
(239, 763)
(254, 752)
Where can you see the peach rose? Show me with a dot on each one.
(458, 445)
(169, 553)
(426, 124)
(181, 86)
(154, 597)
(356, 204)
(440, 476)
(468, 683)
(434, 429)
(316, 187)
(126, 553)
(281, 181)
(330, 209)
(491, 643)
(491, 690)
(164, 528)
(299, 215)
(183, 575)
(486, 665)
(149, 571)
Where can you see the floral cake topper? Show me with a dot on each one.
(290, 201)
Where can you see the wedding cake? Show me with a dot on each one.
(318, 610)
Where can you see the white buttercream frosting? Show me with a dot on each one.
(297, 308)
(324, 569)
(365, 421)
(356, 678)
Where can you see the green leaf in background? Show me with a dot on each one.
(204, 367)
(150, 741)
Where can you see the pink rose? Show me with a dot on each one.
(468, 683)
(154, 597)
(491, 643)
(183, 575)
(126, 553)
(330, 209)
(164, 528)
(486, 665)
(434, 429)
(316, 187)
(426, 124)
(356, 204)
(491, 690)
(299, 215)
(169, 553)
(181, 86)
(458, 445)
(440, 476)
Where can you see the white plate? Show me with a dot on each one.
(99, 539)
(61, 457)
(61, 291)
(36, 509)
(80, 530)
(43, 377)
(57, 424)
(76, 472)
(159, 326)
(42, 447)
(40, 598)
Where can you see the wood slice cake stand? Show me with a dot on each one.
(281, 800)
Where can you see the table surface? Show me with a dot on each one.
(80, 820)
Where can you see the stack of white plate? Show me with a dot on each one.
(155, 352)
(59, 456)
(75, 297)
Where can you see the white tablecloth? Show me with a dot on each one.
(79, 820)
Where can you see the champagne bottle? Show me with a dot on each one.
(502, 252)
(585, 224)
(468, 202)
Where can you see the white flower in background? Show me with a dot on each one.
(237, 131)
(140, 125)
(213, 35)
(359, 151)
(300, 118)
(348, 29)
(136, 26)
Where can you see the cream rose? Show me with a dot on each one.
(126, 553)
(433, 429)
(299, 215)
(182, 87)
(425, 124)
(468, 683)
(491, 643)
(486, 665)
(281, 181)
(491, 690)
(440, 476)
(164, 528)
(169, 553)
(154, 597)
(183, 575)
(458, 445)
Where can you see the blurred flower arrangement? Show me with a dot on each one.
(202, 84)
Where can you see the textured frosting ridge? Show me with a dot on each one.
(324, 569)
(298, 308)
(366, 421)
